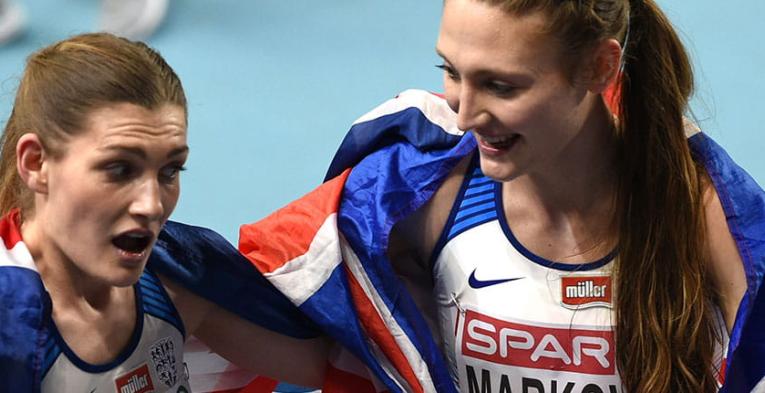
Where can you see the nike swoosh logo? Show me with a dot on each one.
(478, 284)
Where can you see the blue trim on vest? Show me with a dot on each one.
(479, 201)
(156, 301)
(99, 368)
(445, 232)
(578, 267)
(51, 351)
(474, 205)
(150, 297)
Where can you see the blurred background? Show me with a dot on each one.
(274, 84)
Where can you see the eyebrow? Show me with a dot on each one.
(438, 52)
(483, 72)
(137, 151)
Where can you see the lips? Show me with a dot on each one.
(498, 143)
(133, 242)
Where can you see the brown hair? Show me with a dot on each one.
(666, 327)
(64, 82)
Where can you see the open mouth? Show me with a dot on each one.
(503, 142)
(133, 242)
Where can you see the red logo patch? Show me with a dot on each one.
(585, 291)
(515, 344)
(136, 381)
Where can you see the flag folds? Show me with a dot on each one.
(319, 265)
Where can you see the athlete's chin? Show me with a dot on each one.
(502, 171)
(126, 276)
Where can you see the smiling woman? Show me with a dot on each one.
(585, 183)
(91, 158)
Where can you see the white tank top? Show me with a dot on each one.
(152, 361)
(511, 321)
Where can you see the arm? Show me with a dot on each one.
(413, 239)
(725, 264)
(203, 273)
(265, 352)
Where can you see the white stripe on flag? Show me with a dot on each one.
(433, 107)
(344, 360)
(402, 340)
(208, 372)
(18, 256)
(301, 277)
(760, 388)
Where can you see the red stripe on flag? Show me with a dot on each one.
(287, 233)
(10, 228)
(721, 374)
(340, 381)
(377, 330)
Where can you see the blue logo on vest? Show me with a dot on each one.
(478, 284)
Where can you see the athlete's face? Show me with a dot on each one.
(111, 190)
(506, 79)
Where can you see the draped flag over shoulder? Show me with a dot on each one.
(327, 251)
(323, 259)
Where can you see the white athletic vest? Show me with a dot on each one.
(152, 361)
(510, 320)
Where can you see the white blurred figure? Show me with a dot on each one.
(11, 21)
(133, 19)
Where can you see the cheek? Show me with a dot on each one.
(72, 196)
(170, 200)
(517, 116)
(530, 114)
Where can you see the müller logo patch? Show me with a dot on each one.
(585, 291)
(136, 381)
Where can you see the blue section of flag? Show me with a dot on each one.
(389, 183)
(744, 204)
(409, 125)
(24, 306)
(207, 264)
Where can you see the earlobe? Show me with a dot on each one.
(607, 59)
(31, 163)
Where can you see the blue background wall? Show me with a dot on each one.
(274, 84)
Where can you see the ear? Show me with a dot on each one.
(604, 68)
(30, 162)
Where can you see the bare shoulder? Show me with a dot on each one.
(191, 308)
(419, 232)
(413, 239)
(726, 266)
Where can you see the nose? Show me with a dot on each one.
(471, 112)
(148, 201)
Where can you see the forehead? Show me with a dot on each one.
(124, 122)
(476, 34)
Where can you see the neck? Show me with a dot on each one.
(583, 173)
(571, 196)
(67, 285)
